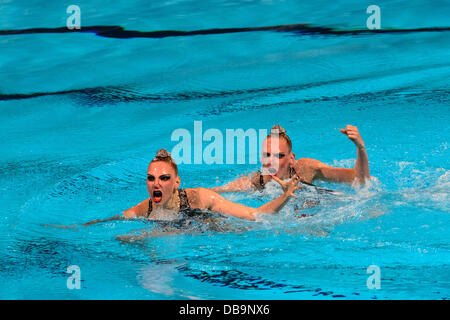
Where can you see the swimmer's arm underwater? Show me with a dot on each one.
(139, 210)
(117, 217)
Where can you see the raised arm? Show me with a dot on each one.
(313, 169)
(211, 200)
(361, 168)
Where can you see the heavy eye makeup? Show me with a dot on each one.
(164, 177)
(276, 155)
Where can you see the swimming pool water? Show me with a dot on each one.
(81, 116)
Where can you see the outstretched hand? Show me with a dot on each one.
(289, 186)
(353, 134)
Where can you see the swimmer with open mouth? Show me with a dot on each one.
(166, 198)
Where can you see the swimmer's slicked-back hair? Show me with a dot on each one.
(279, 132)
(165, 156)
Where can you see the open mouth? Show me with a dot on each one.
(157, 196)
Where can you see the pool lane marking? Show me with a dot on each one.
(119, 32)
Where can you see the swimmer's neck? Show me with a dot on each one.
(283, 176)
(173, 204)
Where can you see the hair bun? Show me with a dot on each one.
(163, 154)
(277, 129)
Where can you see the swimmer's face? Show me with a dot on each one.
(276, 157)
(162, 181)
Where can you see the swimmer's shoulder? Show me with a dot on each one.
(139, 210)
(194, 197)
(309, 163)
(201, 198)
(308, 168)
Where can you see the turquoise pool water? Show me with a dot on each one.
(82, 114)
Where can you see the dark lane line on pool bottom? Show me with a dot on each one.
(119, 32)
